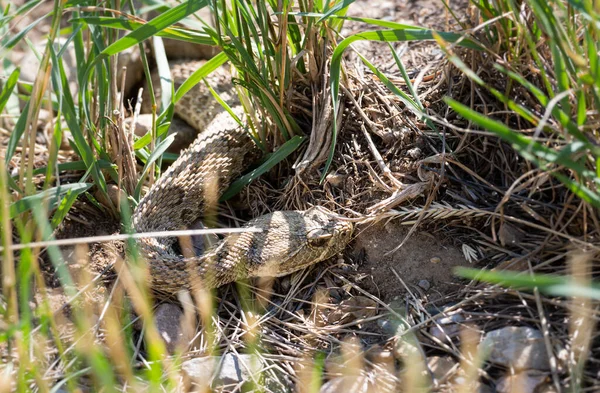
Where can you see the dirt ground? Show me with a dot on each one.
(423, 264)
(380, 271)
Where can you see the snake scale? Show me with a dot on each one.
(191, 187)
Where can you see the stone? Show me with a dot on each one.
(523, 382)
(424, 285)
(517, 347)
(447, 326)
(387, 326)
(168, 318)
(199, 371)
(223, 372)
(236, 368)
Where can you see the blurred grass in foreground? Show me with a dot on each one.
(552, 58)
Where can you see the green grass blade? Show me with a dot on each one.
(285, 150)
(200, 74)
(185, 87)
(8, 88)
(335, 9)
(154, 26)
(16, 135)
(164, 73)
(52, 195)
(74, 166)
(535, 152)
(160, 149)
(19, 36)
(175, 33)
(549, 284)
(61, 86)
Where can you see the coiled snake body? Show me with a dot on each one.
(289, 241)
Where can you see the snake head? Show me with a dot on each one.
(314, 235)
(327, 232)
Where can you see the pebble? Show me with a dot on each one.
(424, 284)
(336, 180)
(228, 370)
(517, 347)
(435, 260)
(447, 327)
(168, 319)
(414, 153)
(388, 327)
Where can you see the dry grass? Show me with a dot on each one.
(454, 179)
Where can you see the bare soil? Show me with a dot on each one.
(422, 265)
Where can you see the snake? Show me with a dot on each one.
(282, 242)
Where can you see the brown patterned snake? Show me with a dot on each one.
(289, 241)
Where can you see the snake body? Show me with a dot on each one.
(190, 189)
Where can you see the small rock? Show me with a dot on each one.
(388, 327)
(435, 260)
(414, 153)
(510, 235)
(335, 179)
(168, 318)
(517, 347)
(424, 284)
(236, 368)
(441, 367)
(218, 371)
(200, 371)
(523, 382)
(143, 124)
(447, 327)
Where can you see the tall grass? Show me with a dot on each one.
(546, 60)
(265, 57)
(272, 46)
(541, 65)
(550, 58)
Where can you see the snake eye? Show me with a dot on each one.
(318, 238)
